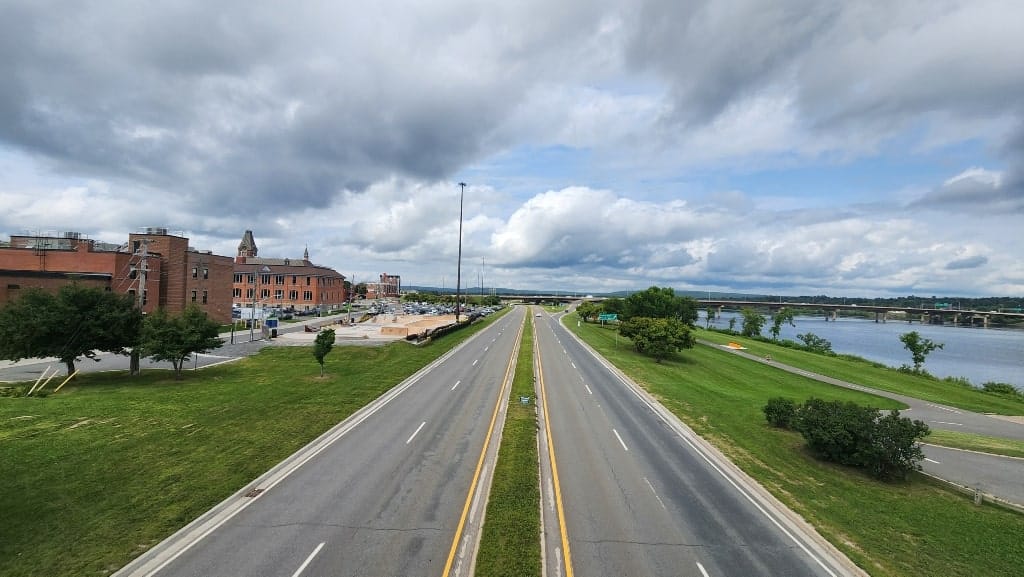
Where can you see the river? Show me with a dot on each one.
(980, 355)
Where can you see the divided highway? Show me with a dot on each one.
(394, 490)
(637, 497)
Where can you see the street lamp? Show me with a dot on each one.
(458, 270)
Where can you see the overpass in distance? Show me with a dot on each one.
(831, 311)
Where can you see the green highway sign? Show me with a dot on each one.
(608, 317)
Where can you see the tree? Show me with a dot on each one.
(176, 338)
(587, 310)
(784, 315)
(76, 322)
(816, 343)
(919, 347)
(614, 306)
(753, 322)
(732, 324)
(657, 337)
(710, 317)
(661, 303)
(323, 345)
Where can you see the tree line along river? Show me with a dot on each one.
(977, 354)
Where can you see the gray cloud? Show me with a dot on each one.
(967, 263)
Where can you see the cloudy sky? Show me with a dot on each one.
(862, 148)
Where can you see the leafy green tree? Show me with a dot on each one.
(784, 315)
(816, 343)
(614, 306)
(753, 322)
(710, 317)
(587, 310)
(76, 322)
(658, 338)
(732, 324)
(919, 347)
(323, 345)
(176, 338)
(661, 303)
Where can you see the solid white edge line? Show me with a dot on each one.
(456, 384)
(948, 423)
(932, 461)
(308, 559)
(588, 389)
(702, 570)
(416, 432)
(621, 442)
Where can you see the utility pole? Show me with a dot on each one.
(458, 269)
(133, 363)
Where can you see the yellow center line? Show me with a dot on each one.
(483, 453)
(554, 465)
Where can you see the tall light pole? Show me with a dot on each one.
(458, 269)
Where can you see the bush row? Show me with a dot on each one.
(886, 446)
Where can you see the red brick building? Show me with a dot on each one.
(283, 282)
(168, 272)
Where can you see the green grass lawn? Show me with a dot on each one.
(957, 440)
(879, 376)
(510, 546)
(98, 473)
(906, 529)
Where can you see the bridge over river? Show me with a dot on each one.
(955, 316)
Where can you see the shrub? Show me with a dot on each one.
(780, 412)
(849, 434)
(836, 431)
(815, 343)
(893, 451)
(1001, 389)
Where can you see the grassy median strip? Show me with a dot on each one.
(982, 443)
(510, 545)
(907, 529)
(97, 474)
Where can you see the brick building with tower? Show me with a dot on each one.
(158, 268)
(285, 283)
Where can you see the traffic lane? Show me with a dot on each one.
(385, 498)
(995, 475)
(651, 475)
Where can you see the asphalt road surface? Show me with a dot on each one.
(639, 494)
(397, 489)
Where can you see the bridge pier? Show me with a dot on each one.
(879, 315)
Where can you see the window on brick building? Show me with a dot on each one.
(307, 295)
(265, 279)
(238, 277)
(264, 293)
(195, 272)
(237, 293)
(307, 281)
(293, 295)
(249, 293)
(205, 296)
(294, 279)
(251, 278)
(193, 296)
(279, 294)
(133, 272)
(206, 273)
(145, 297)
(279, 279)
(13, 287)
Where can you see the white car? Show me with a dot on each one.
(538, 315)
